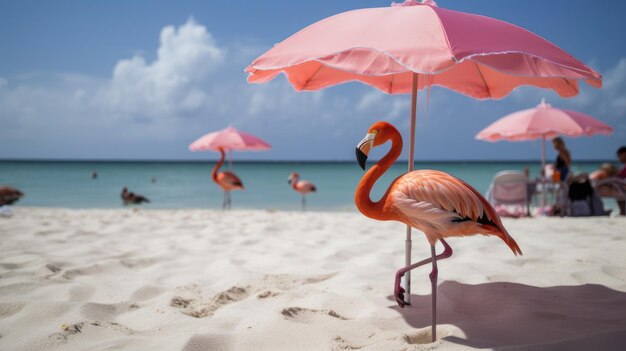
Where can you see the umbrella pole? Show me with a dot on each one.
(408, 242)
(543, 173)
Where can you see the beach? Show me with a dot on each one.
(185, 279)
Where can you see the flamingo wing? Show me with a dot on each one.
(441, 205)
(230, 179)
(305, 185)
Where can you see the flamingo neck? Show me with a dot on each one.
(294, 183)
(362, 197)
(218, 165)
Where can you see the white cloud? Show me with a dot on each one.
(370, 100)
(172, 83)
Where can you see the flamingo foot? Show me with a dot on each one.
(398, 291)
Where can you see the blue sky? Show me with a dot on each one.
(143, 79)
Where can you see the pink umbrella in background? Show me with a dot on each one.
(410, 46)
(227, 140)
(543, 122)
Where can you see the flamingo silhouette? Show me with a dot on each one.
(433, 202)
(9, 195)
(302, 186)
(226, 180)
(130, 197)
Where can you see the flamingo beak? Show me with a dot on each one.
(363, 149)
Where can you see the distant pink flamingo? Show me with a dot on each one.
(434, 202)
(226, 180)
(302, 186)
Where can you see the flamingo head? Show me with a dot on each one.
(293, 177)
(379, 133)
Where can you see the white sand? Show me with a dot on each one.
(257, 280)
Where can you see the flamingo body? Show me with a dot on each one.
(442, 206)
(129, 197)
(301, 186)
(433, 202)
(226, 180)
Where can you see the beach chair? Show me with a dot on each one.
(509, 194)
(611, 187)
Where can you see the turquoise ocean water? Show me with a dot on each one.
(189, 185)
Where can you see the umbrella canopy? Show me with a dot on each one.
(409, 46)
(543, 121)
(474, 55)
(229, 139)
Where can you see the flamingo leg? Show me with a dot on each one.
(230, 203)
(398, 290)
(225, 200)
(433, 285)
(303, 203)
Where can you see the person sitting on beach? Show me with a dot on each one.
(563, 159)
(609, 181)
(621, 156)
(9, 195)
(606, 170)
(132, 198)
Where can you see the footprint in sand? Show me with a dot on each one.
(342, 344)
(68, 330)
(308, 315)
(10, 308)
(267, 294)
(191, 302)
(104, 311)
(147, 292)
(201, 308)
(424, 335)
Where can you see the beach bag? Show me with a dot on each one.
(583, 199)
(579, 194)
(579, 208)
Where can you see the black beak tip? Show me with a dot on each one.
(361, 158)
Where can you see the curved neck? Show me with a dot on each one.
(218, 165)
(362, 196)
(294, 183)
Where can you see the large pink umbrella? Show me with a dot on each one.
(543, 122)
(409, 46)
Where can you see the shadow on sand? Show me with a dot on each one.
(509, 316)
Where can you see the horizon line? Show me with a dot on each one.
(105, 160)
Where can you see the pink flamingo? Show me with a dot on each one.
(226, 180)
(302, 186)
(433, 202)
